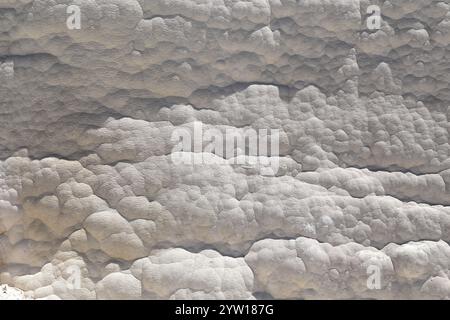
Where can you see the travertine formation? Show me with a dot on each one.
(92, 205)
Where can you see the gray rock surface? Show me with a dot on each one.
(93, 206)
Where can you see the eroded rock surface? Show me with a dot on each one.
(93, 206)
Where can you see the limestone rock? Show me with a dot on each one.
(224, 149)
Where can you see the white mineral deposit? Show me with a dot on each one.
(224, 149)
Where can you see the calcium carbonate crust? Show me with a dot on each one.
(92, 205)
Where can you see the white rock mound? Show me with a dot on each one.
(109, 191)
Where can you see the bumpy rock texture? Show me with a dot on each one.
(92, 205)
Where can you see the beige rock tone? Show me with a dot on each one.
(92, 205)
